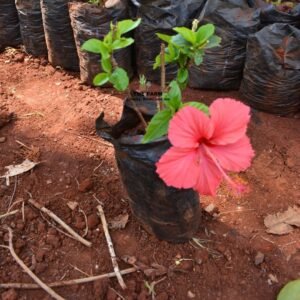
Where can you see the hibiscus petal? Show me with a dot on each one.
(188, 127)
(234, 157)
(229, 119)
(209, 177)
(178, 167)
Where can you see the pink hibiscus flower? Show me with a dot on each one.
(205, 148)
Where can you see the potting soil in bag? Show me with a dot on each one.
(160, 16)
(9, 24)
(31, 24)
(91, 21)
(270, 14)
(171, 214)
(59, 34)
(272, 71)
(222, 66)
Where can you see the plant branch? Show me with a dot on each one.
(60, 222)
(111, 248)
(66, 282)
(46, 288)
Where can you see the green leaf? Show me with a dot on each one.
(95, 46)
(290, 291)
(164, 37)
(179, 41)
(158, 125)
(201, 106)
(182, 75)
(127, 25)
(187, 34)
(100, 79)
(122, 43)
(213, 41)
(204, 33)
(198, 58)
(172, 99)
(106, 65)
(168, 59)
(119, 79)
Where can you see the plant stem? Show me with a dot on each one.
(163, 74)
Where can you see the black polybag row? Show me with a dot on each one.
(59, 34)
(170, 214)
(269, 14)
(91, 21)
(9, 24)
(160, 16)
(271, 80)
(32, 29)
(222, 67)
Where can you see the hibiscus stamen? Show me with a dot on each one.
(236, 186)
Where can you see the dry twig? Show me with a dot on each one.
(28, 271)
(111, 248)
(9, 213)
(66, 282)
(60, 222)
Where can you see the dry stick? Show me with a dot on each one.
(9, 213)
(60, 222)
(66, 282)
(111, 248)
(28, 271)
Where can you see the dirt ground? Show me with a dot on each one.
(53, 123)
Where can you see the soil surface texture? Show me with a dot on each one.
(48, 116)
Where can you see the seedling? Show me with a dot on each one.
(113, 40)
(185, 48)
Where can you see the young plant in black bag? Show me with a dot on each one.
(163, 174)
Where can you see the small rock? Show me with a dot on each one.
(53, 240)
(191, 295)
(30, 214)
(19, 244)
(9, 295)
(19, 57)
(79, 222)
(72, 205)
(52, 231)
(186, 265)
(259, 258)
(20, 225)
(2, 139)
(101, 288)
(86, 185)
(41, 227)
(40, 255)
(93, 221)
(41, 267)
(162, 296)
(111, 295)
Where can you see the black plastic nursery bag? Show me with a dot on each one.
(222, 66)
(171, 214)
(160, 16)
(31, 24)
(59, 34)
(9, 24)
(270, 14)
(91, 21)
(272, 71)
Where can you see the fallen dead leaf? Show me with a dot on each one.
(14, 170)
(119, 222)
(282, 223)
